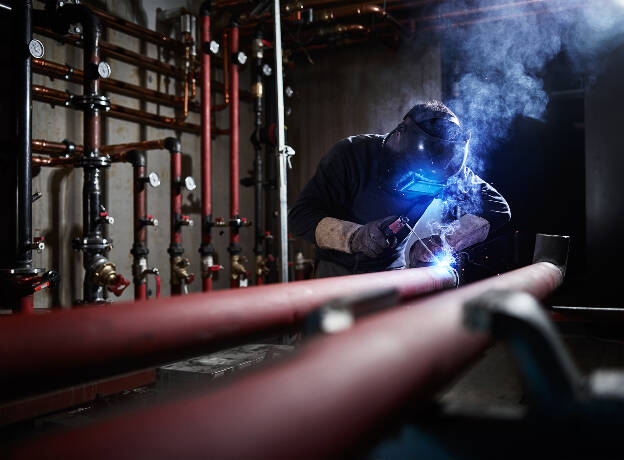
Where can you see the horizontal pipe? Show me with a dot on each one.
(44, 147)
(138, 335)
(56, 97)
(45, 161)
(56, 70)
(117, 52)
(319, 403)
(135, 30)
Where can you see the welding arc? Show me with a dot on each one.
(437, 261)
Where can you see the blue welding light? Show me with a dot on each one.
(445, 259)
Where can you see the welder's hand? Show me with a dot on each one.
(370, 240)
(419, 254)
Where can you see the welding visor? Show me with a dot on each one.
(420, 163)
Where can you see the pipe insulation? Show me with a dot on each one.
(317, 403)
(79, 345)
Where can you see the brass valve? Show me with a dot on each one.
(105, 274)
(238, 270)
(180, 271)
(262, 265)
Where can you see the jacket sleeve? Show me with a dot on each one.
(327, 194)
(469, 194)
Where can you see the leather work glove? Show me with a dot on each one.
(467, 231)
(370, 240)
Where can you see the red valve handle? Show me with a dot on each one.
(121, 284)
(149, 216)
(38, 239)
(104, 214)
(216, 268)
(191, 278)
(185, 217)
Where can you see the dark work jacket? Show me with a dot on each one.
(345, 186)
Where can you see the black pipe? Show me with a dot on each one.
(93, 243)
(23, 88)
(258, 93)
(271, 211)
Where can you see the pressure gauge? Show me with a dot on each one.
(154, 179)
(36, 48)
(267, 70)
(189, 183)
(240, 58)
(104, 69)
(213, 47)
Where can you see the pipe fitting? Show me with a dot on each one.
(173, 145)
(262, 265)
(237, 268)
(180, 273)
(104, 273)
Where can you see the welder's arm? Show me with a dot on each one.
(460, 234)
(325, 198)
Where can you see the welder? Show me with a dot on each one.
(367, 181)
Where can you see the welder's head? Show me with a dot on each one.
(423, 151)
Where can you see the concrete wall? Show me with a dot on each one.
(58, 215)
(351, 91)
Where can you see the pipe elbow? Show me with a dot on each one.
(204, 9)
(173, 145)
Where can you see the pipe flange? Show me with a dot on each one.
(93, 161)
(91, 102)
(21, 271)
(92, 244)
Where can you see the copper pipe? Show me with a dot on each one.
(131, 28)
(57, 97)
(44, 147)
(119, 53)
(226, 78)
(56, 70)
(47, 161)
(504, 17)
(140, 146)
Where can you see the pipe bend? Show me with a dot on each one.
(205, 8)
(173, 145)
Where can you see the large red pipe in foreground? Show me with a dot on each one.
(320, 402)
(74, 346)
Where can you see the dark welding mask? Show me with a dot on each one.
(419, 157)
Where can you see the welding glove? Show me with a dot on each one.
(353, 238)
(467, 231)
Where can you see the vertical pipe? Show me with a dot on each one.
(258, 94)
(234, 248)
(207, 249)
(281, 146)
(139, 247)
(23, 84)
(234, 128)
(175, 248)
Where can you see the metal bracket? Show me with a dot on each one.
(289, 152)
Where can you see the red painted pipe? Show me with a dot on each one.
(206, 249)
(27, 304)
(140, 230)
(176, 196)
(234, 122)
(317, 404)
(78, 345)
(234, 249)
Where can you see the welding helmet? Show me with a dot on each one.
(423, 151)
